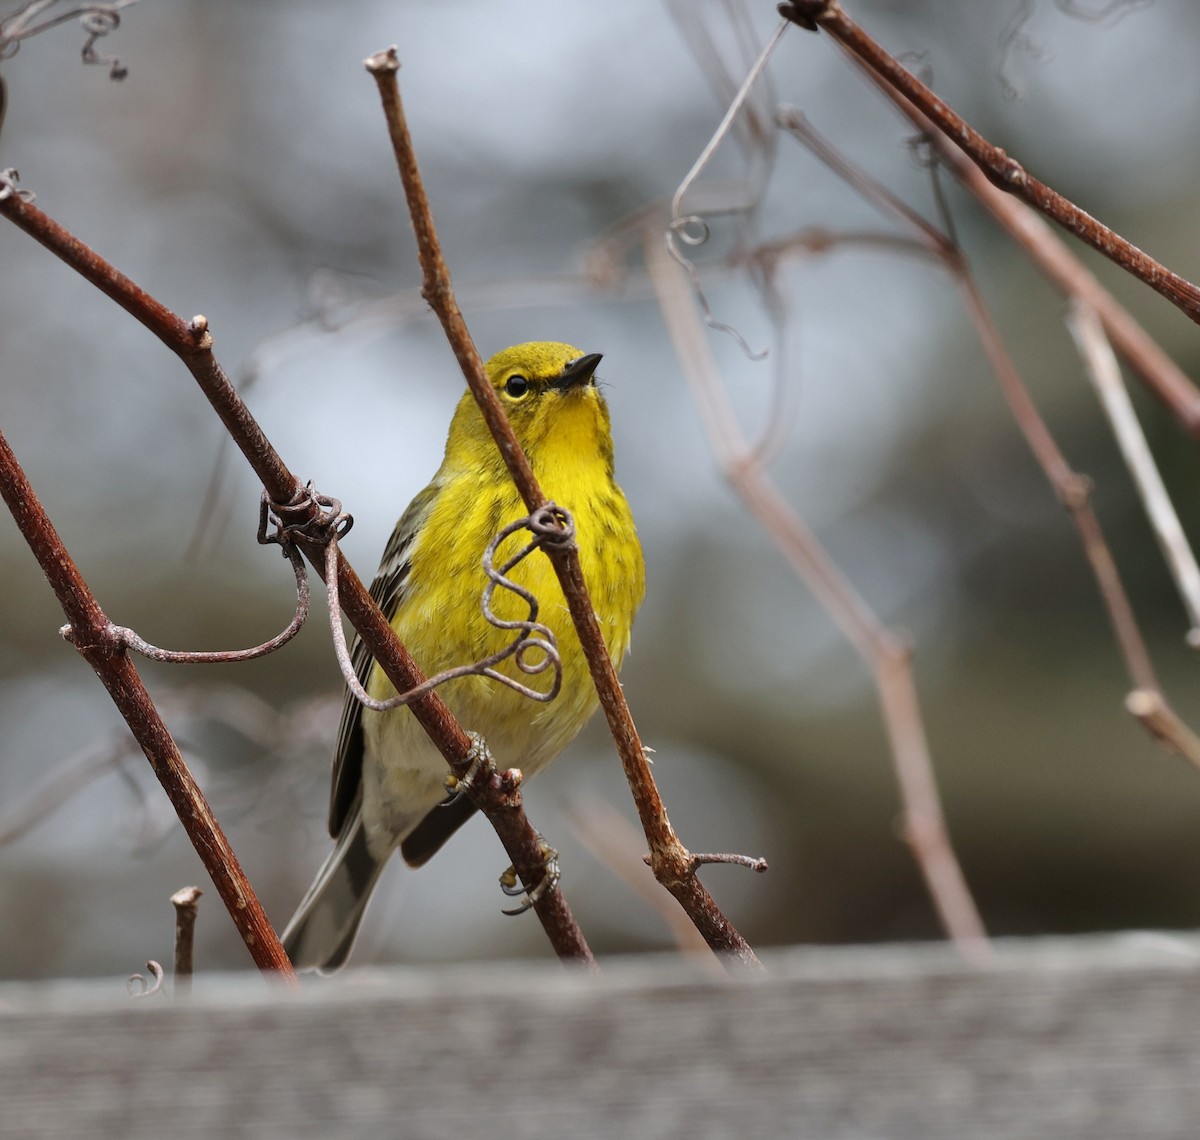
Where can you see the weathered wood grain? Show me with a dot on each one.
(1087, 1038)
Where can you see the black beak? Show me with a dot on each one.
(578, 373)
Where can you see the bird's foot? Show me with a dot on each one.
(479, 763)
(510, 884)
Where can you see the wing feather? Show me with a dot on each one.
(388, 590)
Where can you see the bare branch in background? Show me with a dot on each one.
(1072, 489)
(888, 657)
(1105, 374)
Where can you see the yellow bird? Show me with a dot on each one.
(388, 778)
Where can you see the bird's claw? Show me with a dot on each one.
(481, 763)
(510, 884)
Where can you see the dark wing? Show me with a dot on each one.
(388, 590)
(426, 839)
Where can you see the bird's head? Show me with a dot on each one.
(548, 391)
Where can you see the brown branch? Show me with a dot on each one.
(101, 647)
(670, 860)
(1001, 170)
(191, 342)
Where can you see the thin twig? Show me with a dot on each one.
(692, 229)
(185, 901)
(796, 123)
(192, 343)
(1105, 374)
(750, 862)
(1003, 171)
(718, 136)
(671, 861)
(889, 658)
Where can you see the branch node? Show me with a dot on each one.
(1163, 723)
(198, 331)
(805, 13)
(385, 62)
(108, 639)
(671, 862)
(508, 787)
(1074, 491)
(1012, 171)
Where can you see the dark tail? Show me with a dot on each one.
(321, 933)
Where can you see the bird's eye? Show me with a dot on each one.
(516, 386)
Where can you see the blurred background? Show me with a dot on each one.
(242, 171)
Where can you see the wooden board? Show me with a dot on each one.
(1095, 1038)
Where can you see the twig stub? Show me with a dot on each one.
(386, 62)
(185, 903)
